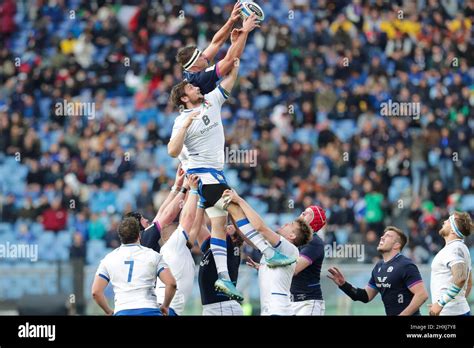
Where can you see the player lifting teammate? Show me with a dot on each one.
(306, 294)
(275, 283)
(396, 277)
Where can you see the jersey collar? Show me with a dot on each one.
(393, 258)
(455, 240)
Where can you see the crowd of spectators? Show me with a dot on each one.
(312, 82)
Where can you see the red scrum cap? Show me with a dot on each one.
(319, 218)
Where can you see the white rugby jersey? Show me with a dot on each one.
(275, 283)
(183, 158)
(441, 277)
(181, 264)
(132, 270)
(204, 140)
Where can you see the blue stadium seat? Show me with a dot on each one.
(397, 188)
(8, 236)
(467, 203)
(62, 245)
(5, 227)
(46, 243)
(36, 229)
(96, 250)
(271, 219)
(124, 197)
(286, 217)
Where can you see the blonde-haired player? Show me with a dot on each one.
(451, 271)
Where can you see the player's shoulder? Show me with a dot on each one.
(316, 240)
(113, 253)
(404, 260)
(378, 264)
(457, 245)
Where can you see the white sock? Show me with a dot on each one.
(219, 251)
(256, 238)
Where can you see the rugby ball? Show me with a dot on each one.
(249, 7)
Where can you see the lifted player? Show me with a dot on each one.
(203, 138)
(196, 63)
(396, 277)
(215, 302)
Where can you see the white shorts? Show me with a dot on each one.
(223, 308)
(309, 307)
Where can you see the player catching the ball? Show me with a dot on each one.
(199, 130)
(196, 62)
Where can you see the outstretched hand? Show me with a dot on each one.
(193, 116)
(193, 181)
(336, 276)
(250, 23)
(231, 196)
(251, 263)
(235, 15)
(179, 178)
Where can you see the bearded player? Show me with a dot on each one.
(199, 130)
(451, 271)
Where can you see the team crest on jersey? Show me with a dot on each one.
(378, 270)
(207, 104)
(390, 269)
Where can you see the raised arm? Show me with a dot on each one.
(178, 183)
(223, 34)
(176, 142)
(238, 39)
(171, 210)
(228, 82)
(188, 214)
(199, 232)
(255, 220)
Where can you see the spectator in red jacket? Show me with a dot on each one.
(55, 217)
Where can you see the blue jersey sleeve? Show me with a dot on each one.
(372, 283)
(313, 252)
(206, 80)
(411, 275)
(150, 237)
